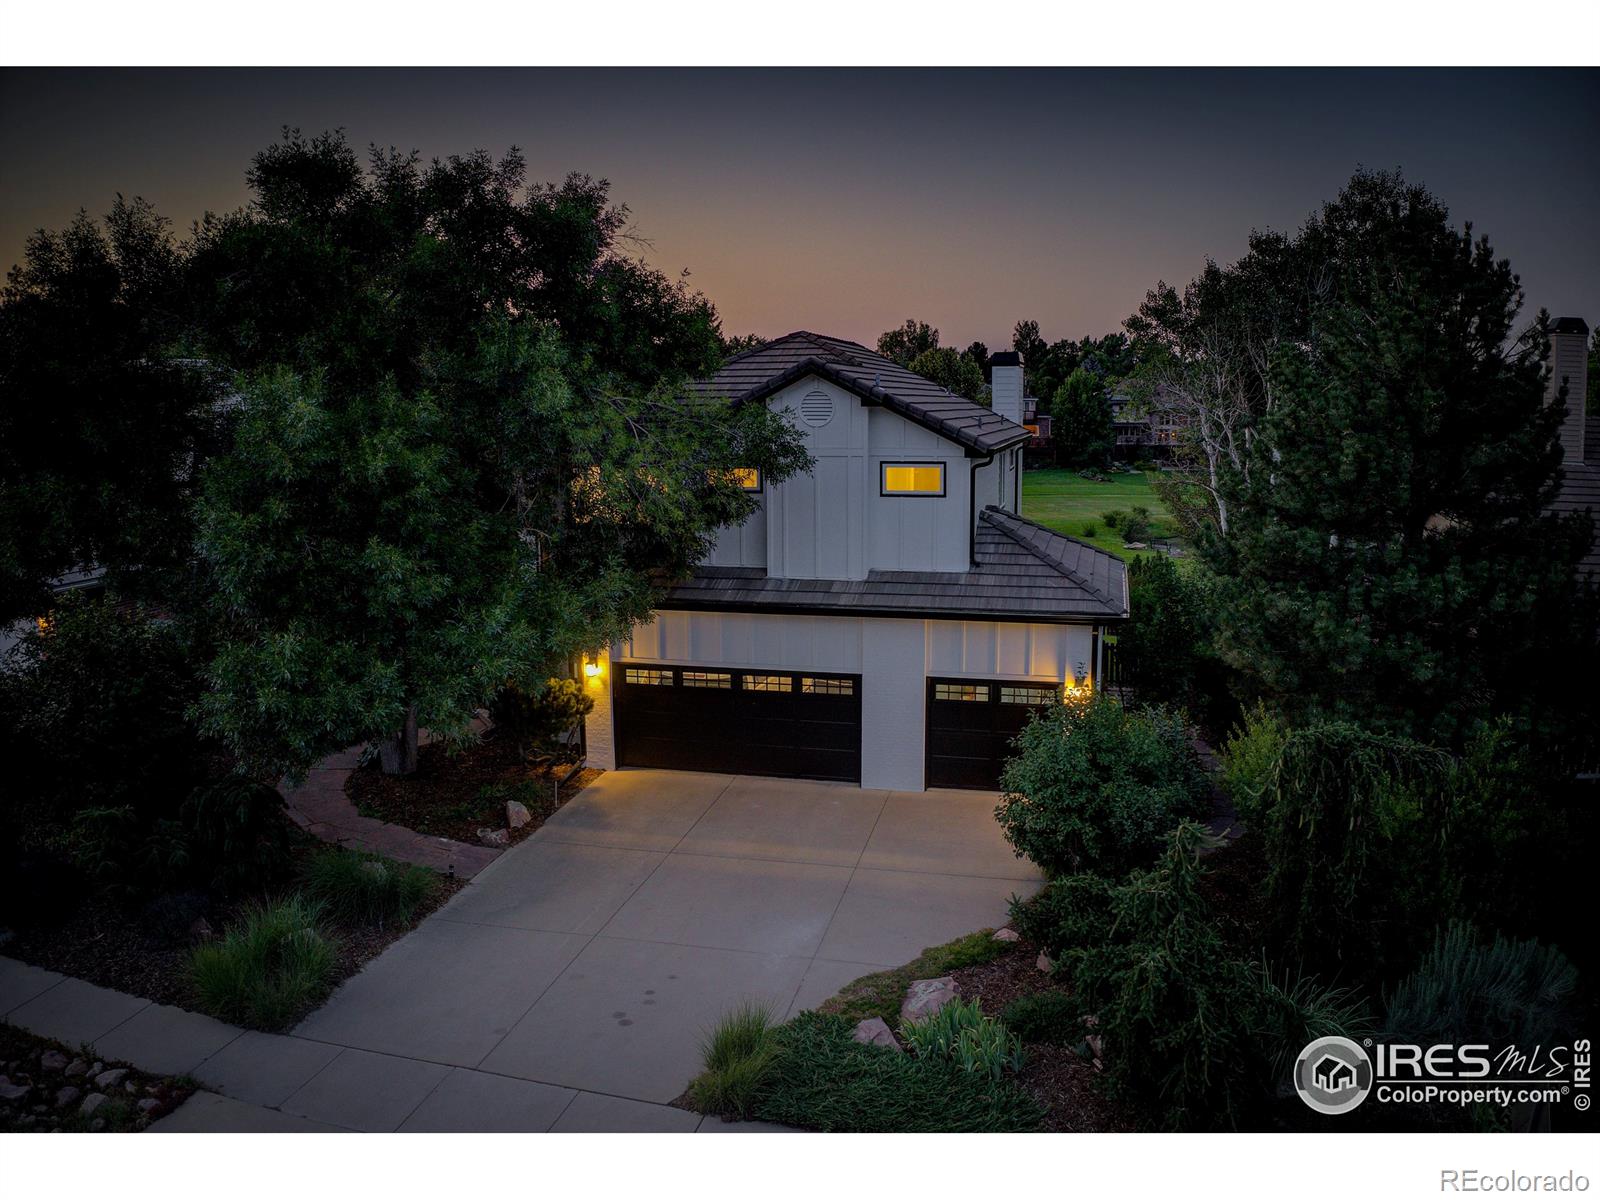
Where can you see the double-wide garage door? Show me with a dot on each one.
(742, 722)
(971, 724)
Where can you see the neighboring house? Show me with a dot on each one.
(886, 619)
(1145, 428)
(1006, 398)
(89, 581)
(1580, 432)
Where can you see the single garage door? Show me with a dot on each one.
(791, 723)
(971, 723)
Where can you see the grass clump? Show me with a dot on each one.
(821, 1078)
(268, 968)
(880, 994)
(739, 1053)
(366, 889)
(1045, 1019)
(960, 1034)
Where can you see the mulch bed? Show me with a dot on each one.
(56, 1082)
(455, 793)
(124, 948)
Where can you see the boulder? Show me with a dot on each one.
(66, 1096)
(1007, 935)
(1043, 963)
(874, 1031)
(53, 1060)
(98, 1125)
(91, 1102)
(517, 814)
(110, 1079)
(149, 1105)
(12, 1091)
(77, 1067)
(925, 997)
(494, 837)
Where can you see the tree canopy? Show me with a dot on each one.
(463, 454)
(1081, 416)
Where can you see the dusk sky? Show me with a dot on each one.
(846, 201)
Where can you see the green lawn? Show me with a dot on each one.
(1066, 502)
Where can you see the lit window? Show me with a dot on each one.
(1019, 693)
(913, 479)
(768, 683)
(819, 685)
(707, 679)
(1031, 428)
(651, 678)
(961, 691)
(748, 478)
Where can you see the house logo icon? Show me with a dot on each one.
(1333, 1075)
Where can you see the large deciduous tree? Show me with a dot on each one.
(463, 451)
(911, 339)
(102, 417)
(1081, 417)
(1388, 556)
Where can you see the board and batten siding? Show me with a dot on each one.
(832, 523)
(893, 656)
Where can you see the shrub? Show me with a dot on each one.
(1049, 1018)
(366, 889)
(1094, 786)
(536, 718)
(237, 833)
(821, 1078)
(1180, 1018)
(959, 1033)
(738, 1052)
(1090, 530)
(1350, 825)
(1136, 525)
(267, 969)
(1248, 757)
(1069, 912)
(98, 697)
(1471, 989)
(1159, 645)
(1113, 519)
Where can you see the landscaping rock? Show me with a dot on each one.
(1043, 963)
(91, 1102)
(66, 1096)
(53, 1060)
(97, 1067)
(874, 1031)
(148, 1105)
(494, 837)
(12, 1091)
(131, 1088)
(78, 1067)
(1007, 935)
(98, 1125)
(110, 1079)
(517, 814)
(925, 997)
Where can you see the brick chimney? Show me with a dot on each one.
(1005, 384)
(1569, 363)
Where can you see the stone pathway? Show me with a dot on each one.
(284, 1083)
(321, 808)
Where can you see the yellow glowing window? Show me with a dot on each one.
(748, 478)
(913, 479)
(1033, 429)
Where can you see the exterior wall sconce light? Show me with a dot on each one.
(591, 668)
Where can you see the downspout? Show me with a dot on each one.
(972, 507)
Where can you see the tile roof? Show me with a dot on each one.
(759, 373)
(1024, 572)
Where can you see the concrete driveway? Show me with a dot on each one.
(592, 957)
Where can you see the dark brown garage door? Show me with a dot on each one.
(971, 723)
(789, 723)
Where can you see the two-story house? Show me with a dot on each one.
(888, 619)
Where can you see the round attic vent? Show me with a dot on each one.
(816, 408)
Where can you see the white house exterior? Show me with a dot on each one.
(886, 619)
